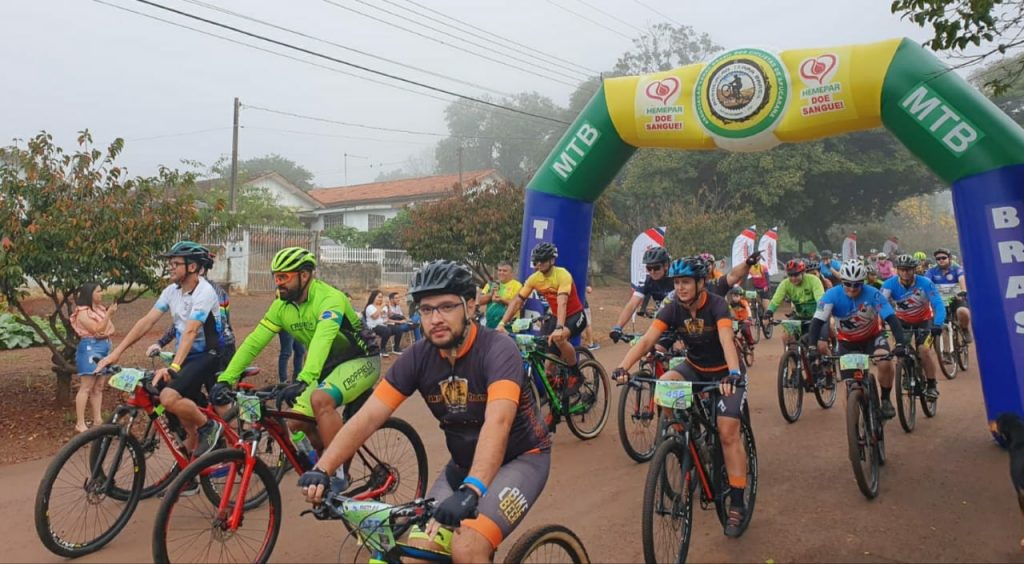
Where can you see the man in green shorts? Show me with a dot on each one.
(342, 361)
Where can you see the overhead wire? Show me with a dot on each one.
(179, 134)
(349, 63)
(610, 15)
(440, 41)
(585, 18)
(334, 135)
(665, 16)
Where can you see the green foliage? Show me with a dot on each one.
(71, 218)
(254, 206)
(249, 168)
(665, 47)
(16, 334)
(478, 228)
(387, 236)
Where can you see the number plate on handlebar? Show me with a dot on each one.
(854, 362)
(371, 519)
(750, 294)
(250, 408)
(127, 379)
(792, 327)
(521, 324)
(676, 394)
(525, 342)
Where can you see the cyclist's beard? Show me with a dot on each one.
(289, 294)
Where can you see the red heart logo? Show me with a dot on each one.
(819, 69)
(663, 90)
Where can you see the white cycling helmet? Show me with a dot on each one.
(853, 271)
(883, 256)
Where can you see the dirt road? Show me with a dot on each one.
(944, 493)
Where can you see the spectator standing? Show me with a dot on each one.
(497, 294)
(92, 323)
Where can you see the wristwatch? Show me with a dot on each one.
(559, 327)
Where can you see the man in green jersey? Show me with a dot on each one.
(342, 361)
(804, 291)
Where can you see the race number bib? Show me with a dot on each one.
(854, 362)
(675, 394)
(127, 379)
(249, 408)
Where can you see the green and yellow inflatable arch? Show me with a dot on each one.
(752, 99)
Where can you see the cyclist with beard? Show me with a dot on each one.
(657, 286)
(473, 382)
(341, 366)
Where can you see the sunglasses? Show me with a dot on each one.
(654, 267)
(941, 258)
(853, 285)
(284, 277)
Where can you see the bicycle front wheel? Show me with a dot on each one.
(791, 389)
(906, 395)
(192, 529)
(75, 510)
(859, 435)
(638, 420)
(667, 518)
(391, 466)
(961, 347)
(947, 352)
(590, 406)
(548, 543)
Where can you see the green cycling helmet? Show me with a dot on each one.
(188, 250)
(919, 255)
(290, 259)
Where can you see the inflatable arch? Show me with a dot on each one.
(751, 99)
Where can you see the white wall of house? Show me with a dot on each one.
(361, 219)
(282, 194)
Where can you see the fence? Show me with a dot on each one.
(396, 267)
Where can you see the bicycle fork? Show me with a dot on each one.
(231, 519)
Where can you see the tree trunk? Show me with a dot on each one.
(63, 389)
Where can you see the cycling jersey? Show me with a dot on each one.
(858, 319)
(828, 267)
(202, 305)
(657, 290)
(946, 277)
(740, 309)
(720, 286)
(326, 324)
(919, 303)
(506, 291)
(488, 367)
(556, 281)
(699, 330)
(804, 296)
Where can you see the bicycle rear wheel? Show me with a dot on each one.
(947, 352)
(863, 454)
(391, 465)
(75, 513)
(590, 407)
(767, 329)
(192, 529)
(906, 395)
(929, 406)
(638, 419)
(750, 491)
(548, 543)
(962, 348)
(667, 518)
(791, 389)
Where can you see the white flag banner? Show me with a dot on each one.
(654, 236)
(769, 247)
(743, 246)
(850, 247)
(891, 246)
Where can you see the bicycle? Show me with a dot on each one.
(684, 460)
(575, 397)
(638, 415)
(910, 385)
(865, 426)
(952, 345)
(757, 311)
(374, 474)
(378, 526)
(112, 463)
(797, 374)
(745, 349)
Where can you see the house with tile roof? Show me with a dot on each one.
(368, 206)
(283, 191)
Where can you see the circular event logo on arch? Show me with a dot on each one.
(741, 93)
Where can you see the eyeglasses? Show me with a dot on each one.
(537, 262)
(172, 264)
(427, 311)
(284, 277)
(941, 258)
(654, 267)
(853, 285)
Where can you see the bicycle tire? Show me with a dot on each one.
(962, 349)
(758, 313)
(53, 535)
(538, 539)
(583, 353)
(930, 407)
(906, 395)
(638, 420)
(790, 386)
(176, 509)
(750, 492)
(365, 472)
(861, 445)
(161, 466)
(947, 352)
(826, 396)
(211, 483)
(746, 351)
(676, 505)
(768, 329)
(595, 395)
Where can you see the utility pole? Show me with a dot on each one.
(234, 157)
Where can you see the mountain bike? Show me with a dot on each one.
(690, 461)
(582, 398)
(745, 349)
(911, 383)
(799, 373)
(952, 346)
(757, 311)
(638, 415)
(391, 465)
(865, 426)
(92, 486)
(378, 528)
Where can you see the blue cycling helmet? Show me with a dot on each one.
(689, 267)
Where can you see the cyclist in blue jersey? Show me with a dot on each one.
(945, 274)
(920, 307)
(859, 311)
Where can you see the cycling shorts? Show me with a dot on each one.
(731, 406)
(345, 382)
(575, 323)
(921, 331)
(511, 494)
(200, 371)
(867, 346)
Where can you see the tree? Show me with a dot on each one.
(68, 219)
(664, 47)
(294, 172)
(479, 228)
(254, 206)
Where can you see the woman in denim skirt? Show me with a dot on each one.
(92, 322)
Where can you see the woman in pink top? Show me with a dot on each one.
(884, 266)
(91, 321)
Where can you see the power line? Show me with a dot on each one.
(345, 47)
(666, 17)
(511, 41)
(348, 63)
(441, 41)
(354, 137)
(610, 15)
(585, 18)
(181, 134)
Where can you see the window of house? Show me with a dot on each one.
(334, 219)
(374, 221)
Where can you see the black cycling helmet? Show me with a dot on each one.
(656, 255)
(942, 251)
(689, 267)
(543, 252)
(190, 251)
(442, 277)
(826, 253)
(906, 261)
(813, 265)
(736, 290)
